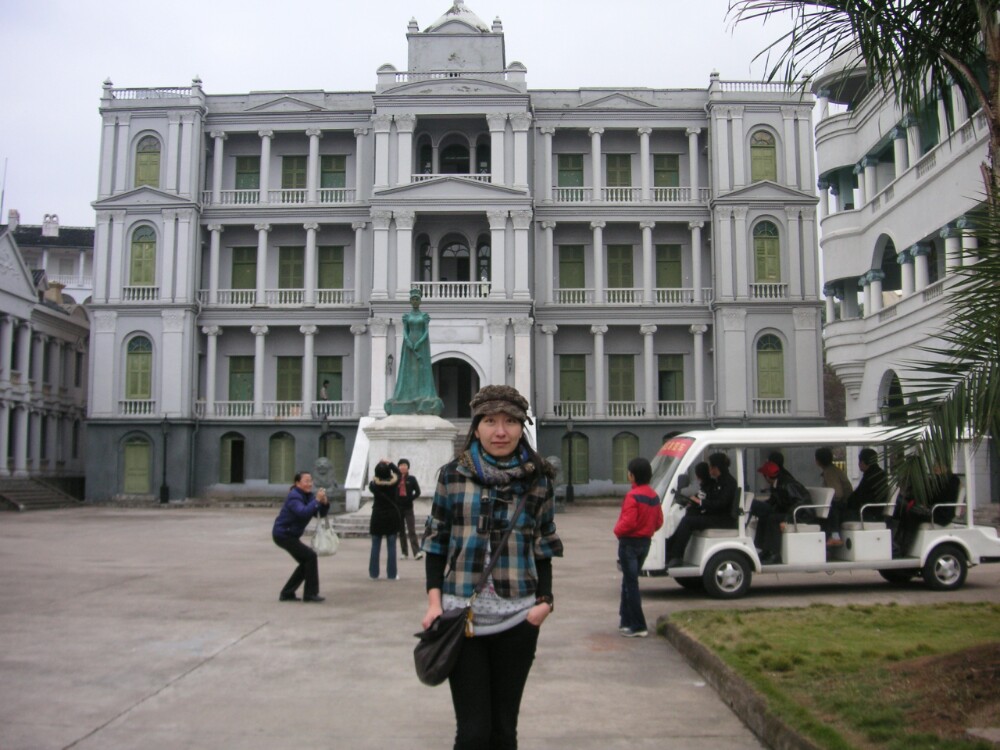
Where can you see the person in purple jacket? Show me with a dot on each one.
(299, 508)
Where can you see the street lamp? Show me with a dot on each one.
(164, 489)
(570, 492)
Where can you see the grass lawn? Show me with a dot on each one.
(881, 676)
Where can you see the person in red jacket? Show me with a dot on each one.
(640, 517)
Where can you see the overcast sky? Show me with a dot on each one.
(56, 53)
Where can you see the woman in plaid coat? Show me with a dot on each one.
(475, 498)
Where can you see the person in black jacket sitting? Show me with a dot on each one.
(786, 494)
(299, 508)
(718, 510)
(873, 489)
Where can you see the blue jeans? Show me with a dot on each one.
(390, 565)
(631, 554)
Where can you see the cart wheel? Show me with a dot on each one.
(945, 568)
(897, 576)
(727, 575)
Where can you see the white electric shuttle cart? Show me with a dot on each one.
(723, 561)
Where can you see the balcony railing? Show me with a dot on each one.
(134, 407)
(226, 409)
(229, 297)
(626, 409)
(71, 279)
(616, 296)
(334, 297)
(573, 296)
(140, 293)
(572, 194)
(443, 290)
(630, 410)
(274, 410)
(675, 409)
(574, 409)
(287, 196)
(765, 407)
(336, 195)
(624, 296)
(332, 409)
(769, 290)
(424, 176)
(283, 197)
(630, 194)
(680, 195)
(284, 297)
(621, 194)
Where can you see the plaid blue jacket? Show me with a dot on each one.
(451, 530)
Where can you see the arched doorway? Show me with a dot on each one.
(456, 382)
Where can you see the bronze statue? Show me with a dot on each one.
(415, 391)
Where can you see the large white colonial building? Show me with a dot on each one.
(637, 261)
(895, 188)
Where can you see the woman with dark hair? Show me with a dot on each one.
(474, 504)
(299, 508)
(718, 510)
(386, 520)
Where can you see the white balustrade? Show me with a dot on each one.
(444, 290)
(574, 296)
(287, 196)
(771, 406)
(675, 409)
(676, 296)
(284, 297)
(574, 409)
(626, 409)
(618, 296)
(769, 290)
(336, 195)
(282, 409)
(424, 176)
(572, 194)
(333, 409)
(232, 409)
(620, 194)
(333, 297)
(140, 293)
(134, 407)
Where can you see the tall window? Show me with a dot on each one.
(291, 267)
(142, 262)
(577, 468)
(670, 377)
(571, 267)
(570, 170)
(244, 268)
(572, 377)
(624, 447)
(139, 369)
(241, 378)
(281, 461)
(147, 162)
(483, 262)
(333, 171)
(621, 377)
(331, 267)
(333, 446)
(137, 459)
(666, 170)
(289, 379)
(293, 172)
(763, 157)
(330, 370)
(248, 178)
(770, 367)
(619, 266)
(668, 267)
(766, 252)
(619, 170)
(232, 450)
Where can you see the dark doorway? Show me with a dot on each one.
(456, 383)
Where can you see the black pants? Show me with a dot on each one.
(691, 522)
(768, 534)
(307, 570)
(408, 527)
(486, 687)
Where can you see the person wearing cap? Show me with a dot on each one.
(474, 501)
(718, 509)
(386, 520)
(409, 490)
(786, 494)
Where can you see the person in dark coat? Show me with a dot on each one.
(786, 494)
(386, 520)
(409, 490)
(299, 508)
(945, 489)
(718, 510)
(872, 489)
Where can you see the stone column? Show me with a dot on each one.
(218, 141)
(952, 248)
(739, 152)
(696, 274)
(866, 294)
(121, 165)
(914, 148)
(899, 153)
(788, 136)
(722, 161)
(596, 166)
(404, 253)
(862, 192)
(549, 331)
(600, 389)
(834, 198)
(37, 361)
(693, 156)
(549, 254)
(380, 266)
(4, 438)
(55, 364)
(547, 133)
(522, 354)
(597, 227)
(942, 117)
(875, 278)
(498, 129)
(522, 223)
(214, 252)
(379, 328)
(359, 259)
(970, 243)
(309, 275)
(823, 101)
(497, 330)
(795, 253)
(869, 164)
(723, 251)
(699, 331)
(905, 261)
(742, 254)
(262, 230)
(824, 198)
(168, 177)
(830, 302)
(649, 369)
(20, 441)
(6, 352)
(212, 334)
(308, 367)
(921, 272)
(312, 166)
(520, 122)
(165, 261)
(498, 255)
(265, 164)
(404, 148)
(259, 333)
(645, 163)
(382, 125)
(24, 352)
(360, 164)
(358, 330)
(34, 442)
(648, 263)
(117, 264)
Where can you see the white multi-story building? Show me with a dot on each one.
(895, 188)
(637, 261)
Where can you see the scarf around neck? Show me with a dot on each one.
(515, 472)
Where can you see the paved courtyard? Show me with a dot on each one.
(161, 628)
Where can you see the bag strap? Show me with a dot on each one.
(503, 540)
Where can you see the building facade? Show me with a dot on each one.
(637, 261)
(895, 188)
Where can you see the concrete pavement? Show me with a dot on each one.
(160, 628)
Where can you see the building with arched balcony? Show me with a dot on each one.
(617, 254)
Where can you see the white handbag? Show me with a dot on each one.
(325, 540)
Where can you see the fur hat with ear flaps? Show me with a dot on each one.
(494, 399)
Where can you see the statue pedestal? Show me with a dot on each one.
(427, 441)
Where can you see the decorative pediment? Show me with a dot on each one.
(457, 86)
(450, 188)
(284, 104)
(142, 196)
(617, 100)
(15, 279)
(765, 190)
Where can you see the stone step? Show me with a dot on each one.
(33, 494)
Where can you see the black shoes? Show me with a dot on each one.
(288, 598)
(769, 558)
(317, 598)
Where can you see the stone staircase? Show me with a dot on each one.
(33, 494)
